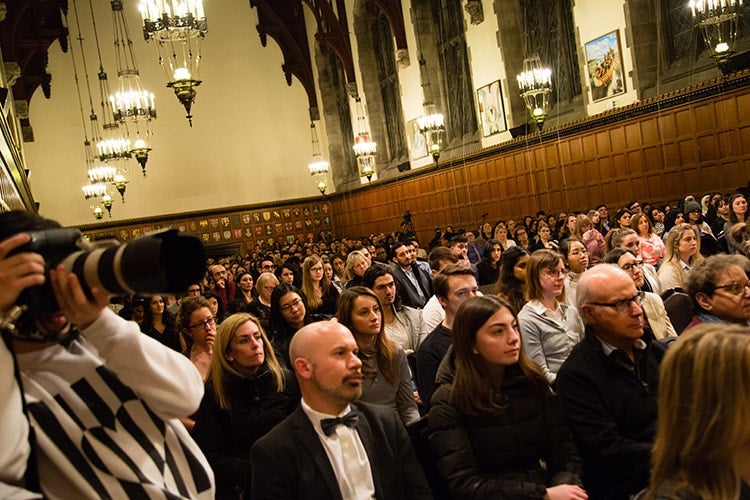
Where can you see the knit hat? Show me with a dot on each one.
(691, 206)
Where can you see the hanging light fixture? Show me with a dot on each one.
(94, 190)
(364, 148)
(718, 21)
(535, 86)
(107, 202)
(319, 166)
(131, 103)
(432, 126)
(98, 212)
(120, 184)
(178, 27)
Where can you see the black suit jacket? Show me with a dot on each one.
(406, 289)
(290, 461)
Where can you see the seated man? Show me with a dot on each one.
(331, 446)
(608, 385)
(720, 290)
(102, 399)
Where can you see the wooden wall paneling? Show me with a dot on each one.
(729, 144)
(688, 153)
(656, 190)
(736, 175)
(650, 134)
(727, 115)
(652, 157)
(708, 148)
(667, 126)
(684, 120)
(617, 140)
(636, 163)
(705, 117)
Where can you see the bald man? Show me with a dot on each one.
(608, 385)
(332, 447)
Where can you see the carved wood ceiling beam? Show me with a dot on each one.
(284, 21)
(393, 11)
(333, 31)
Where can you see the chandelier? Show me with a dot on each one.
(94, 190)
(178, 27)
(107, 202)
(98, 212)
(131, 103)
(120, 184)
(535, 86)
(718, 21)
(319, 166)
(432, 126)
(364, 148)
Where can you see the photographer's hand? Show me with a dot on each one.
(73, 301)
(18, 271)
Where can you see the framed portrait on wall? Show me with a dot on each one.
(491, 112)
(416, 140)
(604, 66)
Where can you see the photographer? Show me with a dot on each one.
(102, 399)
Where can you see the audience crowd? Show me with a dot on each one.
(526, 358)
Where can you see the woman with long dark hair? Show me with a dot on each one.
(387, 380)
(243, 295)
(160, 324)
(488, 269)
(496, 420)
(512, 277)
(248, 393)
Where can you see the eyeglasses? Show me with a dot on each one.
(735, 287)
(205, 324)
(292, 305)
(622, 306)
(554, 273)
(633, 265)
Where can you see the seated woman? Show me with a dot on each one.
(387, 380)
(215, 305)
(356, 265)
(652, 247)
(288, 314)
(198, 327)
(158, 323)
(488, 269)
(544, 239)
(576, 258)
(702, 445)
(260, 307)
(591, 237)
(549, 327)
(287, 273)
(512, 278)
(244, 293)
(247, 395)
(495, 422)
(683, 252)
(321, 294)
(655, 315)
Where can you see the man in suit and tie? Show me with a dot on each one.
(414, 283)
(332, 447)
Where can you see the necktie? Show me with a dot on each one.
(329, 424)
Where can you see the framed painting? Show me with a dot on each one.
(604, 66)
(491, 112)
(416, 140)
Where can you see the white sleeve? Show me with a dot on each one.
(165, 379)
(14, 427)
(432, 315)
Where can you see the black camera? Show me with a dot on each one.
(160, 262)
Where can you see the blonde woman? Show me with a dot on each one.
(356, 265)
(683, 253)
(247, 394)
(321, 294)
(702, 445)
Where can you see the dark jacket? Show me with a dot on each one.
(226, 437)
(487, 274)
(410, 297)
(497, 455)
(290, 462)
(610, 408)
(262, 312)
(429, 355)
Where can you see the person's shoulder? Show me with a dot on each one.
(281, 433)
(377, 414)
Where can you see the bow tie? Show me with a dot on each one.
(329, 424)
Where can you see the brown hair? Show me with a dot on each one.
(440, 283)
(386, 349)
(540, 260)
(472, 392)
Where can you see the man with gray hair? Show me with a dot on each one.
(608, 385)
(720, 290)
(331, 446)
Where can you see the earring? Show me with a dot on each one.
(231, 359)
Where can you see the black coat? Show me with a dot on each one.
(497, 455)
(290, 462)
(611, 413)
(226, 437)
(487, 274)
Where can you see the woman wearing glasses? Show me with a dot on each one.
(549, 327)
(321, 294)
(655, 316)
(494, 420)
(247, 395)
(288, 314)
(198, 326)
(387, 380)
